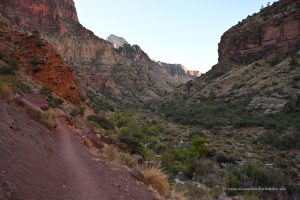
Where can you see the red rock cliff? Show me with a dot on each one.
(44, 15)
(270, 35)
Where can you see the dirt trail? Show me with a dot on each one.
(36, 164)
(94, 180)
(85, 185)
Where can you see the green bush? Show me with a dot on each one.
(133, 138)
(102, 121)
(46, 91)
(77, 111)
(11, 68)
(280, 139)
(54, 102)
(184, 159)
(254, 175)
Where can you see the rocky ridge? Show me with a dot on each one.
(125, 76)
(180, 72)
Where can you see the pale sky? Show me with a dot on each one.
(172, 31)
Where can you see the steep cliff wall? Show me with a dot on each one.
(270, 35)
(127, 76)
(44, 15)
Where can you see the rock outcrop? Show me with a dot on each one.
(116, 41)
(178, 71)
(117, 76)
(38, 60)
(270, 35)
(47, 16)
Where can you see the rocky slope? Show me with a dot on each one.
(117, 77)
(247, 72)
(38, 61)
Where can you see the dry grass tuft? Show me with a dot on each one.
(46, 118)
(176, 195)
(114, 155)
(156, 177)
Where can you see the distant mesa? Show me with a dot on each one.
(180, 71)
(116, 41)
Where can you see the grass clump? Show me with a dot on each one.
(45, 118)
(113, 154)
(9, 85)
(156, 177)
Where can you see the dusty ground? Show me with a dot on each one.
(36, 164)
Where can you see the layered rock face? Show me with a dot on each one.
(43, 15)
(38, 60)
(124, 76)
(271, 35)
(247, 73)
(179, 72)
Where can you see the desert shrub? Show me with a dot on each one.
(45, 118)
(10, 84)
(156, 177)
(46, 91)
(280, 139)
(54, 102)
(113, 154)
(100, 105)
(132, 137)
(77, 111)
(221, 157)
(212, 114)
(10, 68)
(102, 121)
(294, 61)
(209, 113)
(254, 175)
(185, 159)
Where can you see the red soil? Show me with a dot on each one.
(36, 164)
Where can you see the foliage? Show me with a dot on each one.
(46, 91)
(280, 139)
(10, 68)
(115, 155)
(77, 111)
(132, 137)
(52, 101)
(9, 84)
(100, 105)
(55, 102)
(254, 175)
(185, 159)
(212, 113)
(102, 121)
